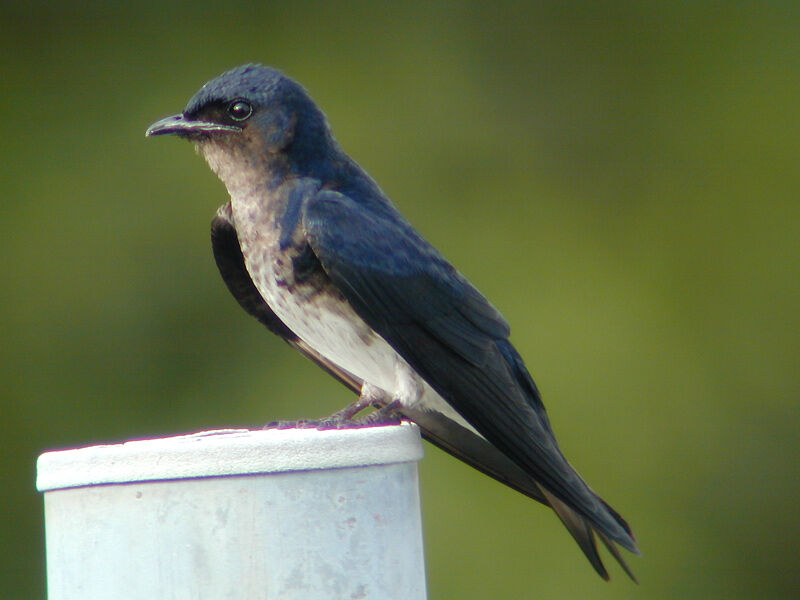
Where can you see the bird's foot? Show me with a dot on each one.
(385, 415)
(299, 424)
(351, 410)
(338, 420)
(370, 397)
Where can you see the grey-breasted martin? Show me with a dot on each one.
(310, 246)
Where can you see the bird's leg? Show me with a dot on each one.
(385, 415)
(409, 390)
(371, 396)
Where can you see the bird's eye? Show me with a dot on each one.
(239, 110)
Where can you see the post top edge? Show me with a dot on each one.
(226, 452)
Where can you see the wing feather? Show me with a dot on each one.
(451, 335)
(451, 437)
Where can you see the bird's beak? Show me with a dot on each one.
(181, 126)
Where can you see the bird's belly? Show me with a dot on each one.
(331, 327)
(324, 320)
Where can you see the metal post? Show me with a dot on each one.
(273, 514)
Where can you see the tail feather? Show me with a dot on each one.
(583, 533)
(615, 553)
(477, 452)
(580, 530)
(622, 523)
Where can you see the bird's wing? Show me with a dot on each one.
(449, 334)
(436, 428)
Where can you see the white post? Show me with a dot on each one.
(271, 514)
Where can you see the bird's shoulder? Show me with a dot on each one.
(392, 276)
(369, 232)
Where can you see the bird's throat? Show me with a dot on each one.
(245, 173)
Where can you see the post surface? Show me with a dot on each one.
(273, 514)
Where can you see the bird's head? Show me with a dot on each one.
(253, 114)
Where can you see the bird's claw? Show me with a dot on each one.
(386, 415)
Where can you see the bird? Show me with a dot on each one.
(310, 246)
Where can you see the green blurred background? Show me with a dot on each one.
(621, 179)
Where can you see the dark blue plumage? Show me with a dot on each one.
(312, 248)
